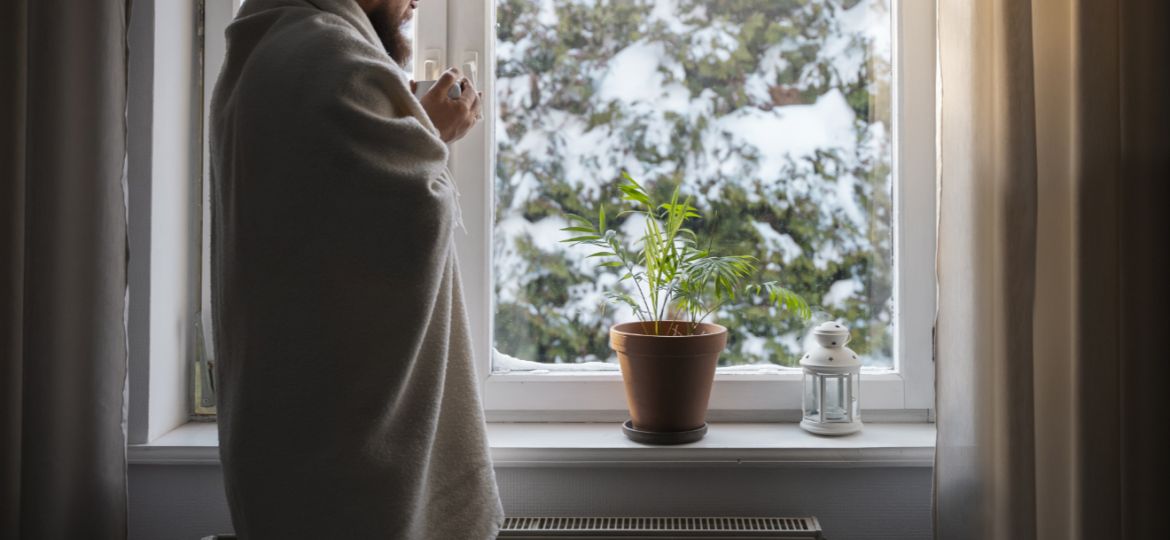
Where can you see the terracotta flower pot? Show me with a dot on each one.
(668, 377)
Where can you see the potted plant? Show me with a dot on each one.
(673, 283)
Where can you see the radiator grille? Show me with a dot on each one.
(706, 527)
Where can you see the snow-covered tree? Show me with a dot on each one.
(774, 115)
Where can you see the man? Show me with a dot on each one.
(348, 403)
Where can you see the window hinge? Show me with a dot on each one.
(933, 343)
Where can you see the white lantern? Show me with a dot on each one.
(832, 383)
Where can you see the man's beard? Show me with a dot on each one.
(389, 29)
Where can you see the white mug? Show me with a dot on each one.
(424, 86)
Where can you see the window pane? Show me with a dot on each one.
(773, 114)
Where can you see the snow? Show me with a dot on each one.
(503, 363)
(535, 143)
(513, 93)
(589, 156)
(545, 235)
(548, 13)
(755, 346)
(635, 75)
(633, 228)
(716, 42)
(841, 291)
(793, 130)
(770, 67)
(756, 369)
(587, 301)
(514, 49)
(828, 253)
(777, 242)
(667, 12)
(527, 187)
(791, 342)
(859, 29)
(847, 201)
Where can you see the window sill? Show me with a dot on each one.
(569, 444)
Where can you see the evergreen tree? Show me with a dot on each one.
(774, 115)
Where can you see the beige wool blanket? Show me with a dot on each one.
(347, 398)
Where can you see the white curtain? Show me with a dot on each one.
(1052, 152)
(986, 260)
(62, 269)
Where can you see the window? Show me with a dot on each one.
(774, 117)
(802, 128)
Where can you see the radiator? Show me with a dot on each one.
(632, 528)
(693, 528)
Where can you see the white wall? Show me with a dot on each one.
(186, 502)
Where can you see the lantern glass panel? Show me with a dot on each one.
(811, 390)
(855, 382)
(836, 407)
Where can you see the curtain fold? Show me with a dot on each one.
(1053, 152)
(63, 270)
(986, 261)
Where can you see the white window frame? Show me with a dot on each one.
(168, 92)
(465, 30)
(453, 32)
(217, 15)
